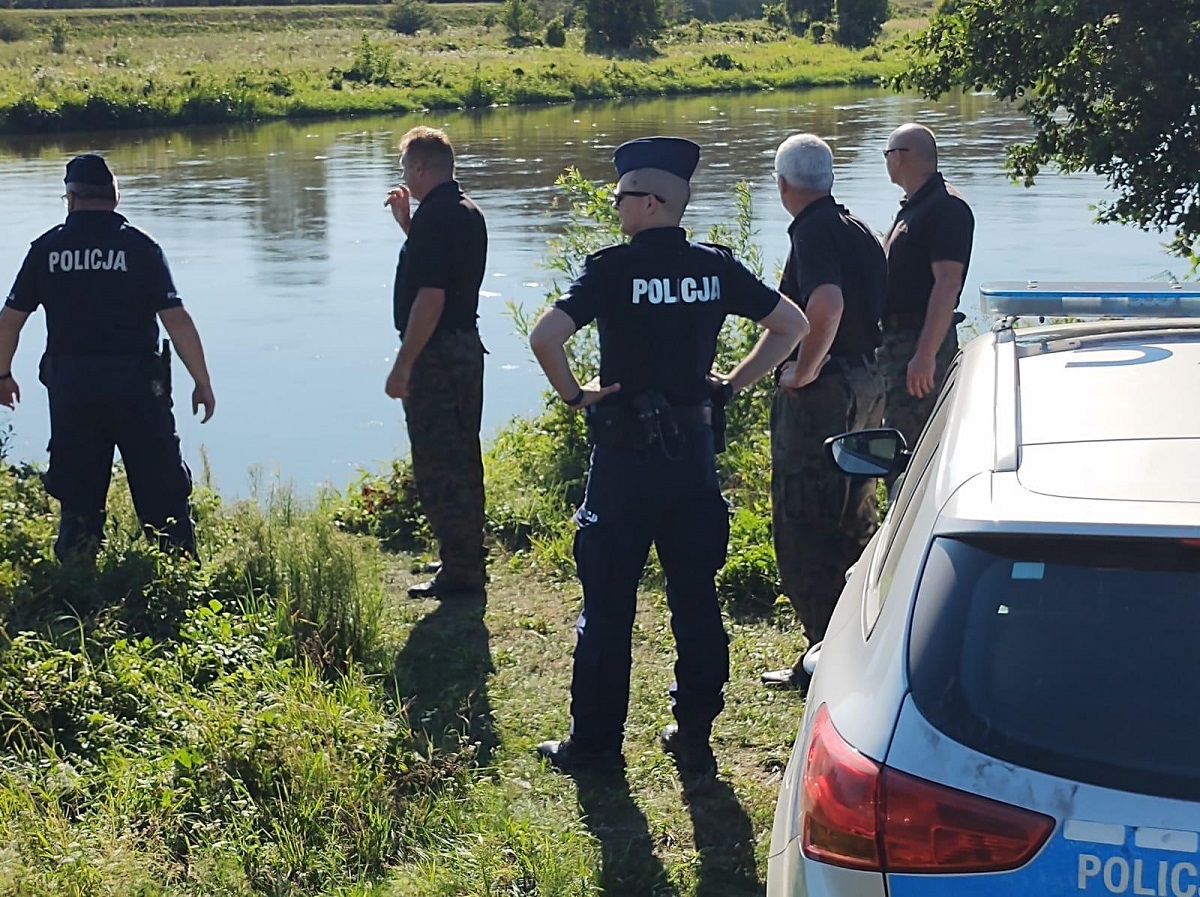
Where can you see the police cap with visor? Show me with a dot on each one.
(658, 166)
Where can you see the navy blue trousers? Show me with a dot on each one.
(636, 498)
(96, 405)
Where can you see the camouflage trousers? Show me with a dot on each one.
(821, 518)
(444, 411)
(900, 410)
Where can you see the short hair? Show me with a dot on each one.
(805, 161)
(93, 191)
(429, 145)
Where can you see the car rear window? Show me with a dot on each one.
(1079, 657)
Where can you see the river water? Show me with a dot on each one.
(282, 250)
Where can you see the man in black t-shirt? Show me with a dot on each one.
(928, 250)
(658, 302)
(438, 372)
(103, 282)
(836, 272)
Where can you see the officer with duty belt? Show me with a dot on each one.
(658, 302)
(102, 282)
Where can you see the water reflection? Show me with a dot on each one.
(281, 247)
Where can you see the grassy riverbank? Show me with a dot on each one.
(281, 720)
(135, 68)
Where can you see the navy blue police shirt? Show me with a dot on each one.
(446, 250)
(830, 245)
(101, 280)
(659, 302)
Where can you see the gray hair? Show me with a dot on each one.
(805, 161)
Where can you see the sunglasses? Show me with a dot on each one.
(618, 198)
(895, 149)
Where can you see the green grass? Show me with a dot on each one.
(103, 69)
(280, 719)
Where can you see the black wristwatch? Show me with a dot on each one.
(575, 402)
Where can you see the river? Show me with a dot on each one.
(282, 250)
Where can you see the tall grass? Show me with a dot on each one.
(170, 727)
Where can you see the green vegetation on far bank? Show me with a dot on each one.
(99, 69)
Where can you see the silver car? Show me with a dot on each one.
(1003, 703)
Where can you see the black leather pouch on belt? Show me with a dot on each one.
(609, 426)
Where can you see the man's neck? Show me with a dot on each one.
(913, 185)
(796, 201)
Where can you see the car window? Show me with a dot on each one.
(898, 523)
(1069, 655)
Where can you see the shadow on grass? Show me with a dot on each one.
(441, 674)
(628, 864)
(724, 839)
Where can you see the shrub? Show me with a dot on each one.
(519, 18)
(58, 36)
(12, 28)
(556, 33)
(410, 16)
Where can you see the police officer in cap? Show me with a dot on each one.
(102, 282)
(659, 302)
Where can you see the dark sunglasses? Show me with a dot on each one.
(895, 149)
(619, 197)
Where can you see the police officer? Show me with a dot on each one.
(928, 251)
(102, 282)
(659, 302)
(836, 271)
(438, 372)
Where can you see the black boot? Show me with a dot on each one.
(567, 756)
(693, 754)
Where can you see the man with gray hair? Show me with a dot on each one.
(836, 272)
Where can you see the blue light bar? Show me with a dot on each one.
(1077, 299)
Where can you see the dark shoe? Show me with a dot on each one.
(793, 677)
(693, 756)
(444, 588)
(568, 757)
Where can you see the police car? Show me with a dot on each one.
(1005, 702)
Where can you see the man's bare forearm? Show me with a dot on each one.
(186, 340)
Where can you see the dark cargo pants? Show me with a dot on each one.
(443, 413)
(821, 518)
(96, 404)
(901, 410)
(635, 498)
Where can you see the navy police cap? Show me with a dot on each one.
(671, 154)
(89, 169)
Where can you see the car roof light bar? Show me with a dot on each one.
(1087, 299)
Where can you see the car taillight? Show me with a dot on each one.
(858, 813)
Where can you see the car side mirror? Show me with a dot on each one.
(869, 453)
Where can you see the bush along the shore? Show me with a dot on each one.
(536, 468)
(200, 728)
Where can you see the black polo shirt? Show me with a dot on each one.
(935, 224)
(101, 280)
(832, 246)
(659, 302)
(446, 250)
